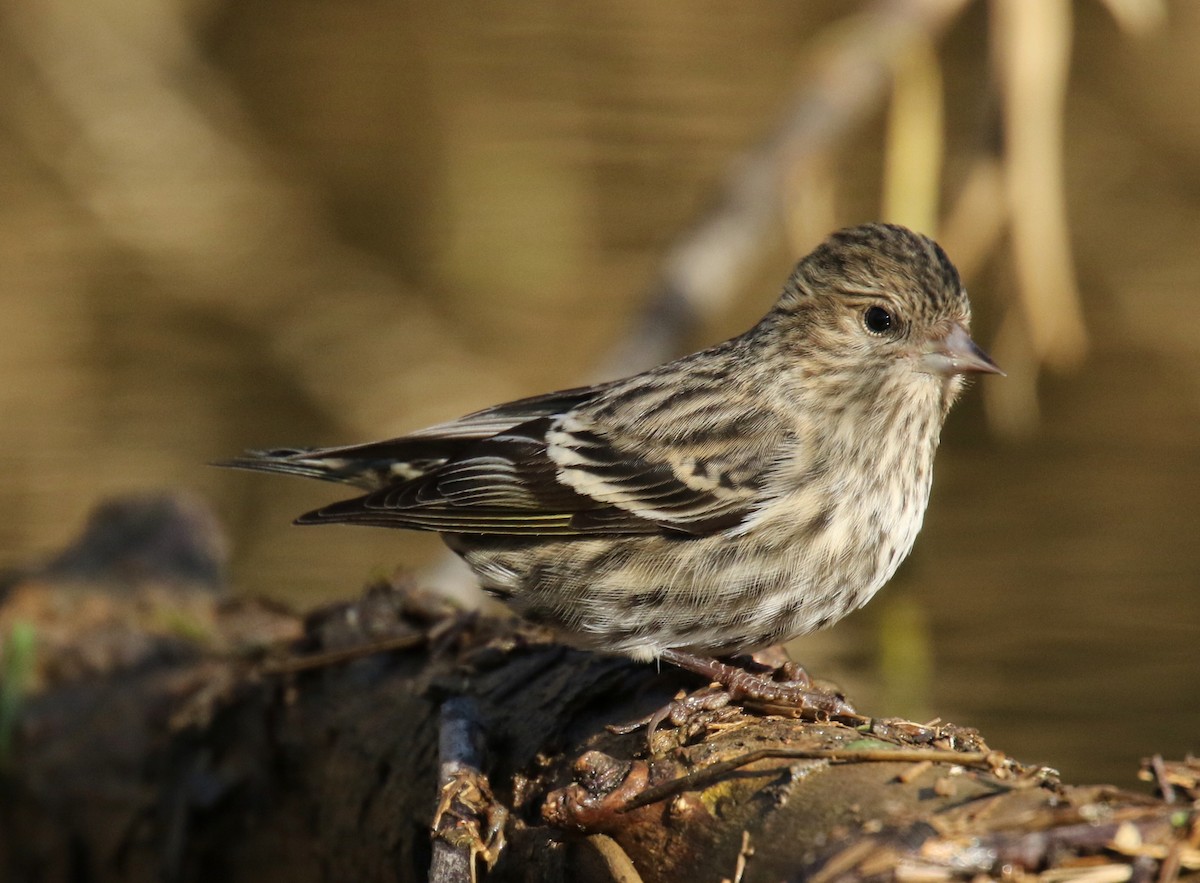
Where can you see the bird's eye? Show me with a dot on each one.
(878, 320)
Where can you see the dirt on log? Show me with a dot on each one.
(158, 734)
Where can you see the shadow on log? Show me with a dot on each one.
(328, 749)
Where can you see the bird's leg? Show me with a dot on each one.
(776, 659)
(753, 689)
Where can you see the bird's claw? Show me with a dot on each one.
(679, 712)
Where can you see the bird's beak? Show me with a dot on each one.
(956, 353)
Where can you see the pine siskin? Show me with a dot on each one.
(726, 501)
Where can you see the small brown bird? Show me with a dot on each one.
(721, 503)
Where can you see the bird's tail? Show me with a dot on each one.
(361, 467)
(308, 462)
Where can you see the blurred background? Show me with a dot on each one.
(229, 225)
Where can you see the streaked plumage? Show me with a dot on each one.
(734, 498)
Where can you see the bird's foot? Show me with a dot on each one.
(783, 688)
(683, 712)
(788, 689)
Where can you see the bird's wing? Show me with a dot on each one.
(664, 480)
(498, 418)
(383, 464)
(570, 475)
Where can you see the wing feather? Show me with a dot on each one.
(542, 478)
(383, 464)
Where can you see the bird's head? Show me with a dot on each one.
(880, 305)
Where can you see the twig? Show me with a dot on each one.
(1162, 779)
(469, 822)
(708, 775)
(743, 858)
(458, 739)
(295, 664)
